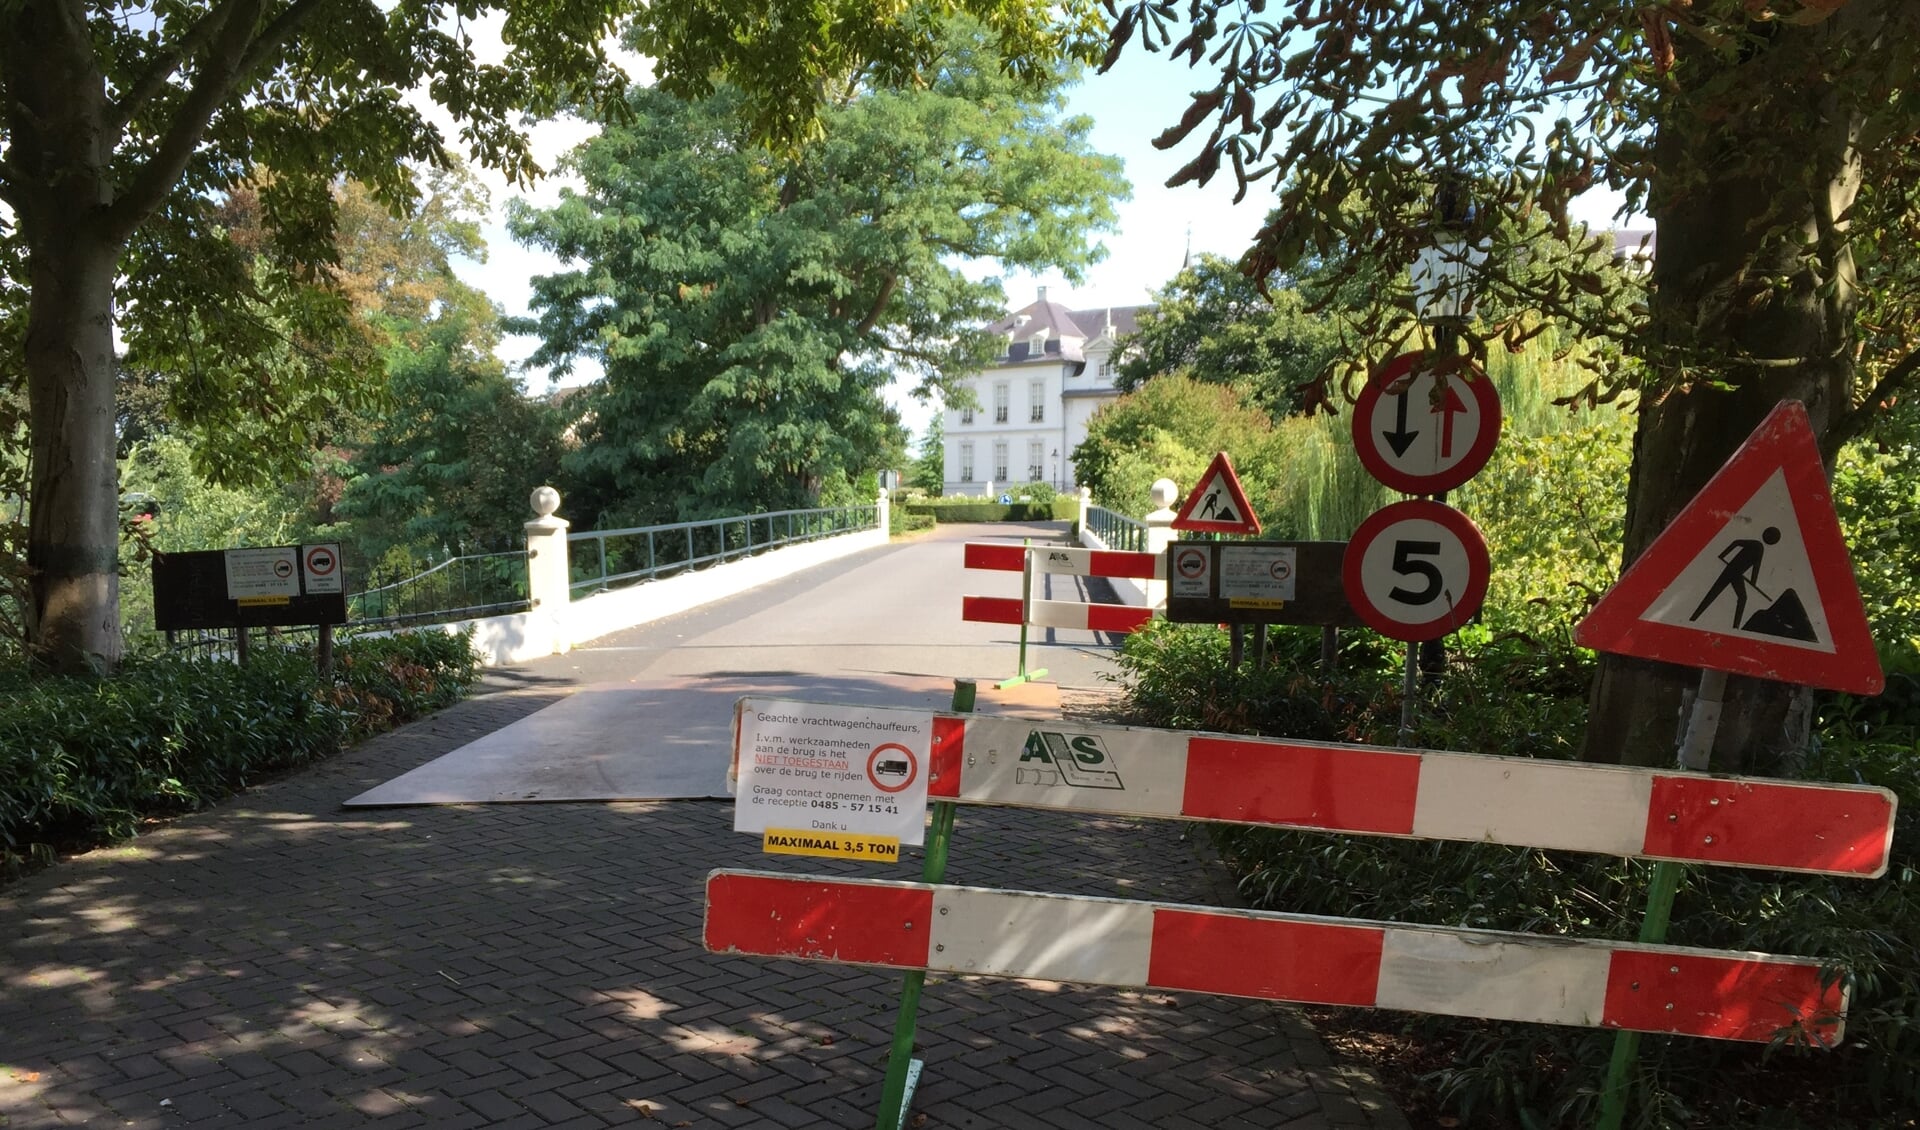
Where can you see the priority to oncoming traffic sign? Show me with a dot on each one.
(1421, 433)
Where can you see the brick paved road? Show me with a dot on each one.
(278, 962)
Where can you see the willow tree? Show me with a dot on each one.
(1773, 142)
(120, 122)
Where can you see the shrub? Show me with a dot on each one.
(83, 759)
(900, 520)
(955, 510)
(1040, 494)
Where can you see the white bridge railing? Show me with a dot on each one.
(555, 620)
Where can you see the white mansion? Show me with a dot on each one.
(1035, 400)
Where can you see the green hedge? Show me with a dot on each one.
(902, 521)
(83, 759)
(953, 510)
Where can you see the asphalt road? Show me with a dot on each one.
(891, 610)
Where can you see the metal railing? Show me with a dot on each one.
(1117, 531)
(224, 643)
(644, 553)
(459, 588)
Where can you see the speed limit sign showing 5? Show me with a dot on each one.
(1416, 570)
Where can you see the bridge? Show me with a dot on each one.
(479, 955)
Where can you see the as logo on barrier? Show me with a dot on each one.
(1078, 760)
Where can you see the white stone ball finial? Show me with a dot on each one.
(544, 500)
(1163, 493)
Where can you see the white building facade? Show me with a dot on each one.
(1032, 405)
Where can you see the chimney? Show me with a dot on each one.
(1043, 294)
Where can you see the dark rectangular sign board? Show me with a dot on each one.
(1258, 582)
(273, 586)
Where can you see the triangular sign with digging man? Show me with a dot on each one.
(1217, 504)
(1751, 578)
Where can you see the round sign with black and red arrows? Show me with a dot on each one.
(1416, 570)
(1420, 434)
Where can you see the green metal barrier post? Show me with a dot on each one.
(1026, 613)
(903, 1071)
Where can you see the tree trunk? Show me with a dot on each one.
(73, 534)
(59, 149)
(1757, 314)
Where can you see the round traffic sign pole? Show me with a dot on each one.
(1416, 570)
(1418, 437)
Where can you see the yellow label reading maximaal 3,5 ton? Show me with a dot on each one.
(837, 845)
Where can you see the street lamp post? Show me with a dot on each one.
(1442, 279)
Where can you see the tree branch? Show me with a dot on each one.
(879, 304)
(165, 64)
(216, 83)
(1854, 424)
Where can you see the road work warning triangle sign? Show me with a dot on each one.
(1752, 577)
(1217, 505)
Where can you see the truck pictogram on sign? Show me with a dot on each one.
(891, 767)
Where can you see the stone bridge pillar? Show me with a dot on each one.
(548, 573)
(1159, 523)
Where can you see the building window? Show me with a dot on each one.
(966, 462)
(966, 415)
(1037, 401)
(1106, 368)
(1000, 403)
(1000, 460)
(1036, 468)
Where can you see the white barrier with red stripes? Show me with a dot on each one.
(1069, 561)
(1419, 794)
(1054, 613)
(1422, 794)
(1499, 976)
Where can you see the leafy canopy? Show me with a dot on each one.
(1170, 427)
(1359, 110)
(749, 305)
(1215, 325)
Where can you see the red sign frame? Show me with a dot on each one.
(1221, 468)
(1783, 443)
(1366, 440)
(1472, 595)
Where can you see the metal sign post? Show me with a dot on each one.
(1695, 748)
(1026, 610)
(903, 1071)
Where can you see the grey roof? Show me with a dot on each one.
(1124, 319)
(1066, 330)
